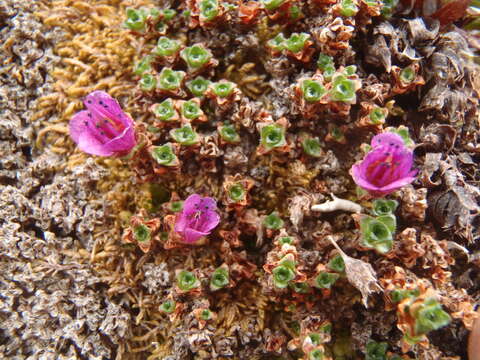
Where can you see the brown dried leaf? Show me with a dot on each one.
(359, 273)
(451, 12)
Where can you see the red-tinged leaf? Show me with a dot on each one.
(451, 12)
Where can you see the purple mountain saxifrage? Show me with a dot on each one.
(197, 219)
(387, 166)
(104, 129)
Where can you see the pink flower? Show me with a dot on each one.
(103, 129)
(198, 218)
(386, 168)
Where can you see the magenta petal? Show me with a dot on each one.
(103, 105)
(192, 235)
(359, 179)
(181, 222)
(396, 184)
(211, 222)
(387, 138)
(122, 143)
(90, 144)
(191, 204)
(78, 125)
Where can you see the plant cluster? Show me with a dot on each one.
(232, 180)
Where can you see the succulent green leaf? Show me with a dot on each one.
(272, 136)
(143, 66)
(135, 19)
(315, 354)
(324, 61)
(430, 317)
(187, 281)
(348, 8)
(378, 115)
(191, 110)
(376, 235)
(296, 42)
(272, 4)
(236, 192)
(209, 9)
(198, 86)
(168, 306)
(273, 221)
(312, 90)
(166, 46)
(196, 56)
(343, 90)
(325, 280)
(277, 43)
(185, 135)
(407, 75)
(282, 275)
(141, 233)
(337, 264)
(165, 110)
(229, 134)
(164, 155)
(148, 82)
(384, 207)
(223, 88)
(376, 350)
(170, 79)
(220, 279)
(176, 206)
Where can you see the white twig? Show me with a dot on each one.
(337, 204)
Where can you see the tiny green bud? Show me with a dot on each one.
(378, 115)
(176, 206)
(185, 135)
(196, 56)
(300, 287)
(407, 75)
(191, 110)
(430, 317)
(220, 279)
(169, 14)
(164, 155)
(148, 82)
(312, 90)
(337, 134)
(223, 88)
(312, 147)
(229, 134)
(272, 136)
(350, 70)
(325, 280)
(206, 314)
(165, 110)
(187, 281)
(388, 7)
(198, 86)
(135, 19)
(167, 47)
(277, 43)
(327, 328)
(208, 9)
(186, 13)
(384, 207)
(170, 79)
(376, 351)
(272, 4)
(168, 306)
(282, 275)
(143, 66)
(328, 72)
(285, 240)
(348, 8)
(376, 235)
(337, 264)
(398, 295)
(141, 233)
(315, 354)
(273, 221)
(296, 42)
(343, 90)
(315, 338)
(295, 12)
(236, 192)
(324, 61)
